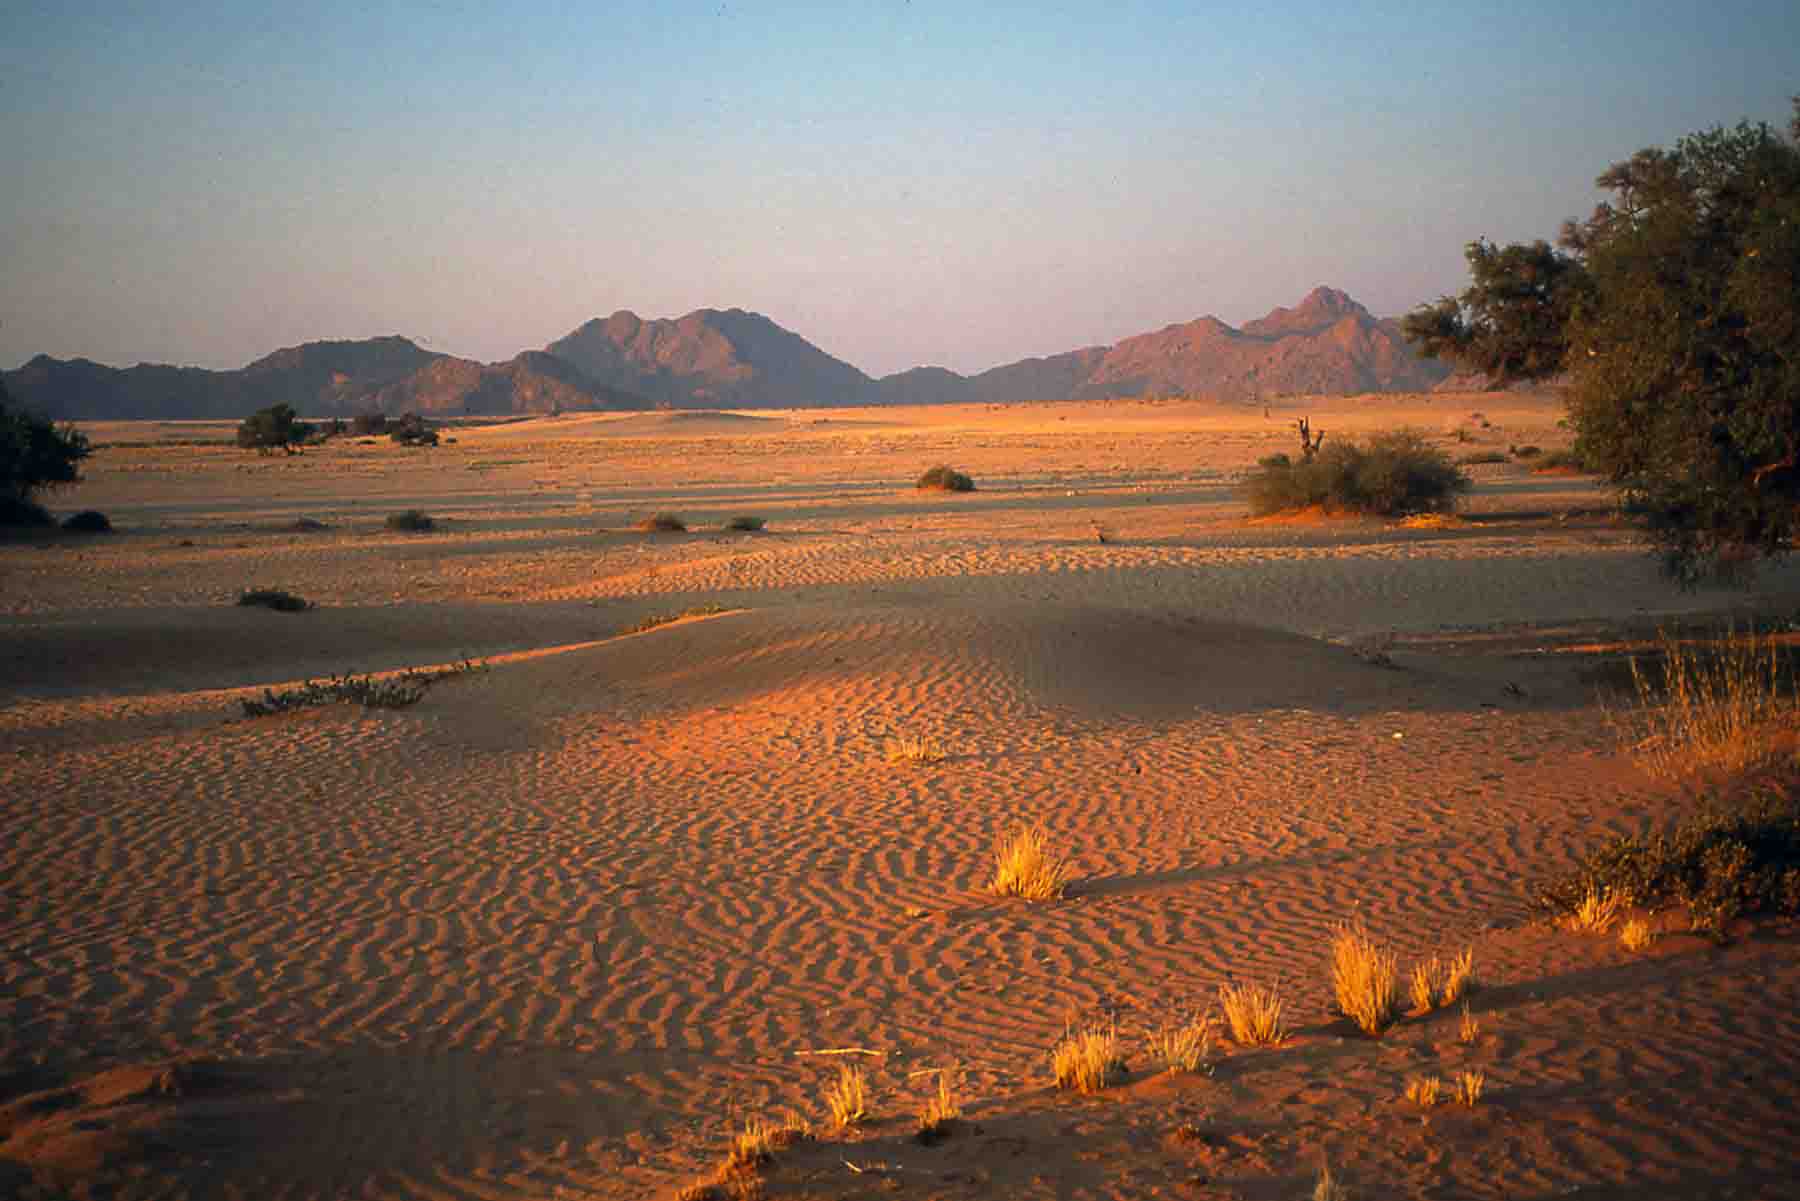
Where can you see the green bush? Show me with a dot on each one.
(1739, 855)
(943, 478)
(745, 525)
(88, 521)
(411, 521)
(1390, 475)
(663, 523)
(273, 598)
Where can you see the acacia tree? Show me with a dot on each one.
(1673, 313)
(34, 454)
(277, 427)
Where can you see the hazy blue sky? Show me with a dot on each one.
(902, 183)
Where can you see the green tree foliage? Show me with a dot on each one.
(1674, 312)
(277, 427)
(34, 454)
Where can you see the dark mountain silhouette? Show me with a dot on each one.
(712, 358)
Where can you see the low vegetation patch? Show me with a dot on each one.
(847, 1097)
(1739, 855)
(1024, 866)
(1468, 1087)
(663, 619)
(1253, 1014)
(1365, 978)
(1728, 705)
(1438, 983)
(273, 598)
(943, 478)
(88, 521)
(1390, 475)
(745, 524)
(910, 748)
(390, 692)
(1482, 459)
(1469, 1029)
(24, 514)
(937, 1118)
(1635, 935)
(662, 523)
(1087, 1061)
(1424, 1091)
(411, 521)
(1186, 1047)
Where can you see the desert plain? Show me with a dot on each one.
(564, 925)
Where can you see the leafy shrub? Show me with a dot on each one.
(943, 478)
(1527, 452)
(411, 430)
(663, 523)
(88, 521)
(747, 525)
(34, 454)
(273, 598)
(1476, 460)
(275, 428)
(1391, 475)
(1739, 855)
(411, 521)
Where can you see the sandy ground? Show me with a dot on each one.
(557, 929)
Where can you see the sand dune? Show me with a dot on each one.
(561, 923)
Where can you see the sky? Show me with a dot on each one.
(953, 184)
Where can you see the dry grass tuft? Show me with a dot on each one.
(1184, 1048)
(1635, 934)
(1596, 913)
(847, 1097)
(1426, 977)
(940, 1110)
(1423, 1091)
(1470, 1028)
(1365, 978)
(1459, 978)
(1087, 1061)
(1469, 1086)
(1253, 1013)
(910, 749)
(1723, 709)
(752, 1146)
(1327, 1187)
(1024, 867)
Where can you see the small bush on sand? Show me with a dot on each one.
(1738, 855)
(1424, 1091)
(1253, 1014)
(1727, 706)
(1024, 866)
(411, 521)
(943, 478)
(1482, 459)
(1186, 1047)
(745, 524)
(1527, 452)
(411, 430)
(273, 598)
(938, 1116)
(1468, 1087)
(911, 748)
(1391, 475)
(1087, 1061)
(662, 523)
(391, 692)
(1438, 983)
(1365, 979)
(88, 521)
(847, 1097)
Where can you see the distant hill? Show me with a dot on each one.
(732, 359)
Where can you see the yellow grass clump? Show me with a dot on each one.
(1365, 979)
(1024, 867)
(1598, 910)
(1437, 983)
(1253, 1013)
(1635, 934)
(1183, 1048)
(1469, 1086)
(940, 1109)
(1470, 1028)
(847, 1097)
(1723, 710)
(753, 1145)
(1086, 1061)
(1423, 1091)
(908, 748)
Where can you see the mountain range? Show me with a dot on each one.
(711, 358)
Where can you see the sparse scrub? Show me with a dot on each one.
(940, 1111)
(662, 523)
(1481, 459)
(1738, 855)
(1727, 708)
(1635, 935)
(1024, 866)
(1253, 1013)
(1424, 1091)
(88, 521)
(1596, 911)
(910, 748)
(1087, 1061)
(273, 598)
(1183, 1048)
(662, 619)
(1391, 475)
(847, 1097)
(1365, 978)
(745, 524)
(393, 692)
(411, 521)
(1561, 460)
(943, 478)
(1527, 452)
